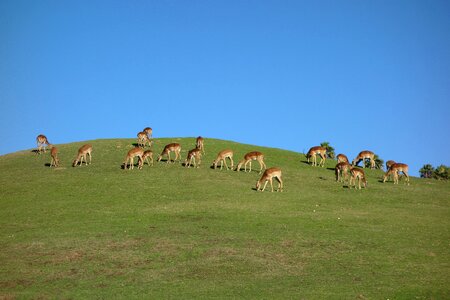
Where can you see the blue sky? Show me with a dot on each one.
(361, 75)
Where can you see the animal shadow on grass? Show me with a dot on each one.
(36, 151)
(322, 178)
(135, 144)
(331, 169)
(47, 164)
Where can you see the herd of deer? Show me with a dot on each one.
(343, 169)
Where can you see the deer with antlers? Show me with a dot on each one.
(342, 158)
(357, 173)
(341, 171)
(248, 158)
(194, 155)
(55, 160)
(394, 170)
(129, 158)
(313, 152)
(42, 142)
(222, 158)
(173, 147)
(199, 144)
(268, 176)
(83, 152)
(363, 155)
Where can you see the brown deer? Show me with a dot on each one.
(394, 170)
(148, 131)
(42, 142)
(268, 176)
(55, 160)
(342, 158)
(199, 144)
(174, 147)
(129, 159)
(145, 156)
(248, 158)
(389, 163)
(363, 155)
(143, 139)
(341, 170)
(313, 152)
(222, 158)
(194, 155)
(357, 173)
(83, 152)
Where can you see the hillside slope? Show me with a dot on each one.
(99, 231)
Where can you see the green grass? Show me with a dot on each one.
(167, 231)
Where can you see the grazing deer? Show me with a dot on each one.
(143, 139)
(313, 152)
(42, 142)
(82, 154)
(365, 155)
(148, 131)
(342, 158)
(357, 173)
(248, 158)
(193, 155)
(55, 159)
(394, 170)
(199, 144)
(268, 176)
(175, 147)
(222, 158)
(145, 156)
(341, 170)
(389, 163)
(129, 159)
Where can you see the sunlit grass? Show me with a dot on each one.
(100, 231)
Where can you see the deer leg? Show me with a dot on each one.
(264, 187)
(281, 183)
(271, 184)
(407, 177)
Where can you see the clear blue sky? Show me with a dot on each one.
(289, 74)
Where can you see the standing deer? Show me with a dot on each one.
(389, 163)
(365, 155)
(248, 158)
(222, 158)
(313, 152)
(268, 176)
(83, 152)
(342, 158)
(55, 160)
(42, 142)
(148, 131)
(129, 159)
(174, 147)
(341, 171)
(394, 170)
(357, 173)
(145, 156)
(199, 144)
(143, 139)
(193, 155)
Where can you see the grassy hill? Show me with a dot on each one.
(167, 231)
